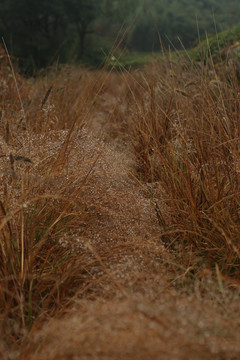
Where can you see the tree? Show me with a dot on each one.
(179, 19)
(32, 29)
(82, 14)
(85, 14)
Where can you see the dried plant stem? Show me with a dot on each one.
(15, 80)
(22, 244)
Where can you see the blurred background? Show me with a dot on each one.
(39, 33)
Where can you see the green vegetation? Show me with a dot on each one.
(173, 23)
(216, 46)
(42, 33)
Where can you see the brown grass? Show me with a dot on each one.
(119, 208)
(185, 126)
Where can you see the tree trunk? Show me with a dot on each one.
(82, 32)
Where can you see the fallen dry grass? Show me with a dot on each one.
(119, 214)
(172, 327)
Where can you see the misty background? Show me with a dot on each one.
(39, 33)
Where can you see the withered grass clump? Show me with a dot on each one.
(68, 207)
(184, 121)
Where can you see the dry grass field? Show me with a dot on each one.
(120, 213)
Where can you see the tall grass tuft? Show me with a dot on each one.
(47, 164)
(184, 121)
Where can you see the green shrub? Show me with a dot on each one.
(215, 46)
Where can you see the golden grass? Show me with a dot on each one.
(119, 209)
